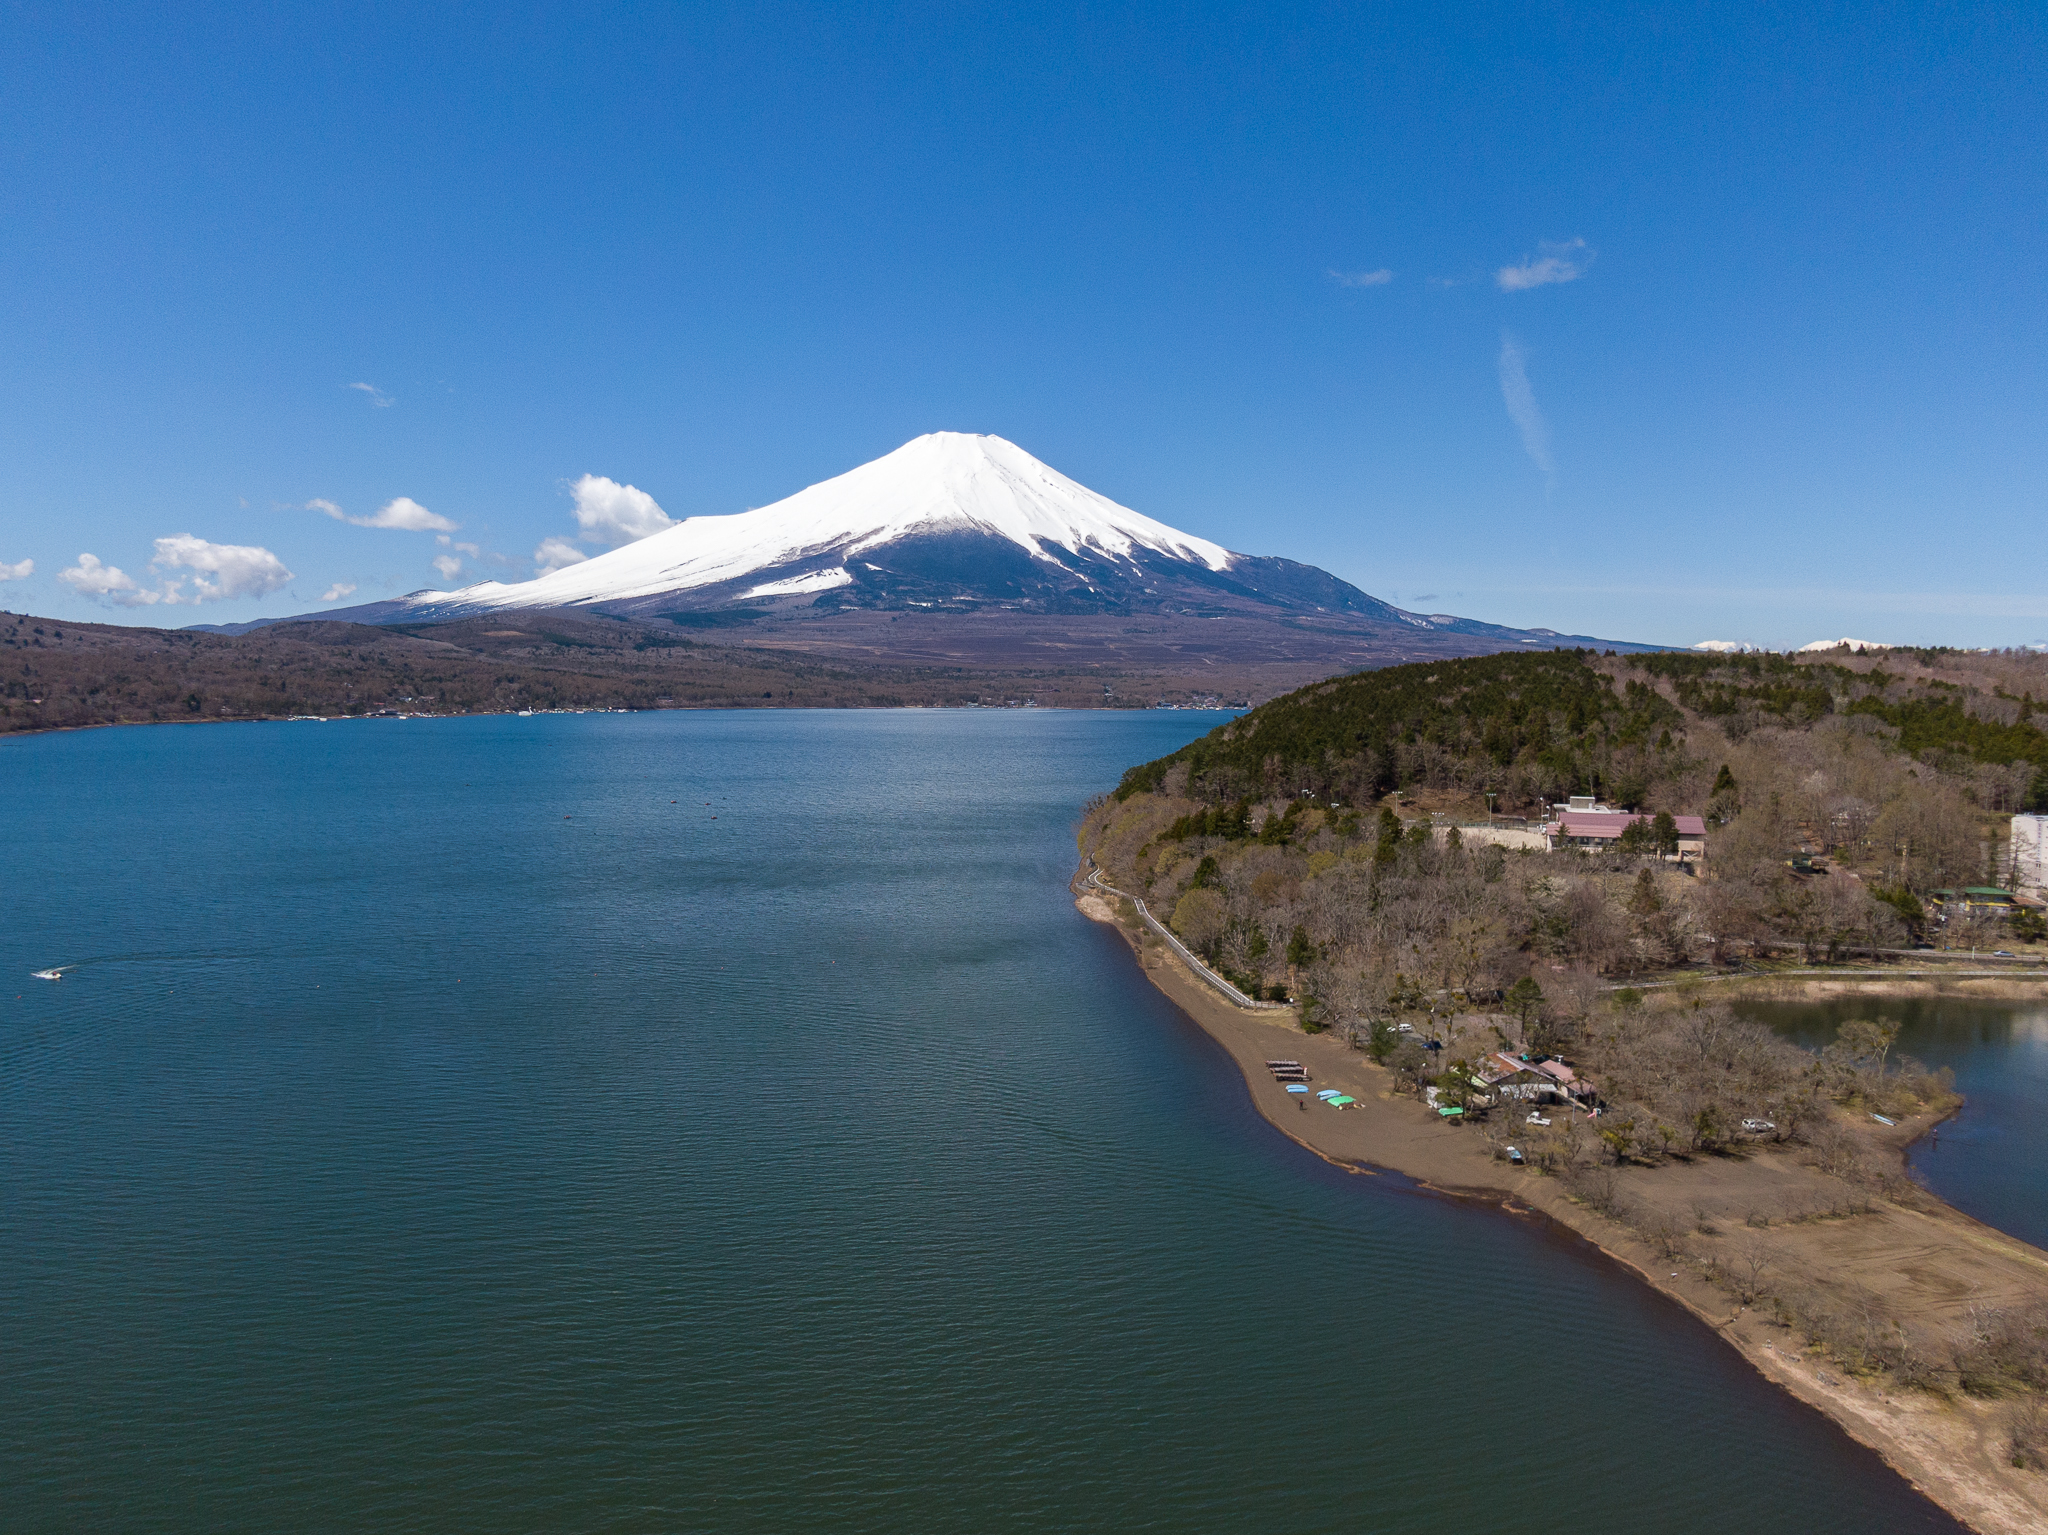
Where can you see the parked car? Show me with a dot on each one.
(1757, 1126)
(1538, 1119)
(1516, 1157)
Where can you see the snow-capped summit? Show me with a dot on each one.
(951, 487)
(955, 522)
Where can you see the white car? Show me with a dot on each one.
(1757, 1126)
(1538, 1119)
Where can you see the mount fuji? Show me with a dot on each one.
(951, 522)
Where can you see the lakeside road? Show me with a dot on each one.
(1927, 1263)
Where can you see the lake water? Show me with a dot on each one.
(1990, 1160)
(724, 1122)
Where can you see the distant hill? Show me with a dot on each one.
(61, 675)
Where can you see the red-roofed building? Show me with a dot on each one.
(1512, 1077)
(1599, 830)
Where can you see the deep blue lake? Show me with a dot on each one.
(724, 1122)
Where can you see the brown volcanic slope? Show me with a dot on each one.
(56, 675)
(1268, 652)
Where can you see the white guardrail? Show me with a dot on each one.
(1096, 881)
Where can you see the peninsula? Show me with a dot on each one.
(1494, 911)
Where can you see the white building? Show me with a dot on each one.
(2030, 854)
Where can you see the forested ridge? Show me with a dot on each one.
(1531, 728)
(1366, 838)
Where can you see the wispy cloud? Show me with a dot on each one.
(450, 566)
(219, 572)
(1377, 279)
(19, 572)
(1521, 403)
(1560, 262)
(556, 554)
(339, 590)
(404, 514)
(377, 396)
(472, 550)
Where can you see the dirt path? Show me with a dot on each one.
(1929, 1264)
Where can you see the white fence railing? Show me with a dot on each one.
(1096, 881)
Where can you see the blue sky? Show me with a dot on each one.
(1788, 382)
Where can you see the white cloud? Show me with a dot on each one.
(404, 514)
(221, 571)
(556, 554)
(1361, 279)
(339, 590)
(1562, 262)
(19, 572)
(377, 396)
(614, 514)
(107, 582)
(472, 550)
(449, 565)
(1521, 403)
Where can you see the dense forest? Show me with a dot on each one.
(1353, 841)
(1635, 730)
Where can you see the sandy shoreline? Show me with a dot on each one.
(1951, 1450)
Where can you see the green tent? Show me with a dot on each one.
(1340, 1100)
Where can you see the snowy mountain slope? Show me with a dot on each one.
(954, 523)
(943, 485)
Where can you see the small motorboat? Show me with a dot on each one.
(55, 973)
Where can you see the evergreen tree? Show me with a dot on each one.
(1390, 836)
(1523, 999)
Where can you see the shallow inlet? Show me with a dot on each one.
(1991, 1160)
(455, 1127)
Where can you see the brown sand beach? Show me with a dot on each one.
(1743, 1218)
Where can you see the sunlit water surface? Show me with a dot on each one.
(724, 1122)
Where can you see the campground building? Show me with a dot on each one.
(1600, 830)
